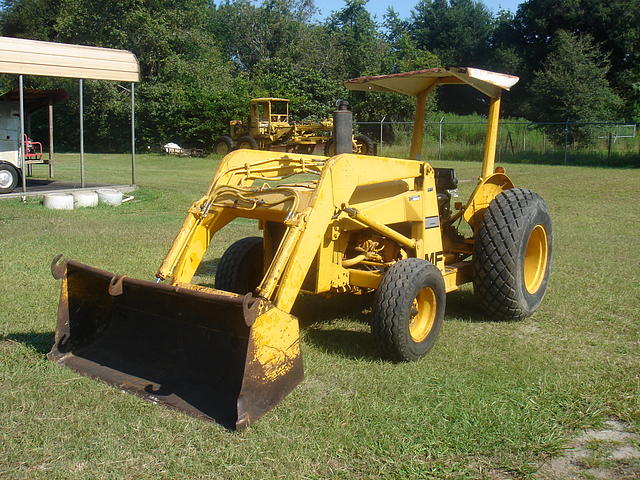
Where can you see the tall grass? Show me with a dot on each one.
(455, 137)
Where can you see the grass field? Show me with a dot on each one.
(491, 400)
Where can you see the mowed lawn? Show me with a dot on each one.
(491, 400)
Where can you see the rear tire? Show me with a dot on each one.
(364, 145)
(247, 141)
(222, 145)
(241, 267)
(9, 177)
(512, 255)
(408, 309)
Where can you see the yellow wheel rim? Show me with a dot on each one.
(535, 259)
(222, 148)
(423, 314)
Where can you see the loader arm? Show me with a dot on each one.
(238, 169)
(340, 177)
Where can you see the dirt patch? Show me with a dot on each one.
(612, 452)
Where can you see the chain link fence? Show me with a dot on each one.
(518, 141)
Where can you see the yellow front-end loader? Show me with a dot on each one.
(344, 224)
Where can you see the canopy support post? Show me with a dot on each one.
(21, 153)
(489, 154)
(50, 138)
(418, 126)
(133, 134)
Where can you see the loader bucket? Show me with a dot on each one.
(218, 356)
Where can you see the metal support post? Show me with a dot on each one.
(81, 137)
(50, 138)
(22, 157)
(133, 134)
(440, 138)
(418, 126)
(489, 154)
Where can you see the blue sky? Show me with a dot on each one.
(403, 7)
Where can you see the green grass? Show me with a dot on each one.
(491, 396)
(463, 138)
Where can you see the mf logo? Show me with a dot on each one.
(435, 257)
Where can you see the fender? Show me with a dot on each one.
(486, 190)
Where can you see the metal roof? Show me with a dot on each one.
(413, 83)
(33, 57)
(269, 99)
(35, 99)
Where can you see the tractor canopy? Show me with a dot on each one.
(270, 110)
(414, 83)
(421, 82)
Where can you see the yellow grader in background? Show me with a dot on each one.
(269, 128)
(345, 224)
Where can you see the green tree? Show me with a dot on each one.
(25, 17)
(572, 86)
(613, 24)
(186, 85)
(458, 31)
(251, 33)
(364, 49)
(311, 93)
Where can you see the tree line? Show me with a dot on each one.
(201, 61)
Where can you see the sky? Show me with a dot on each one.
(404, 7)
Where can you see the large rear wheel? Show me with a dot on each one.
(363, 145)
(512, 254)
(241, 267)
(408, 309)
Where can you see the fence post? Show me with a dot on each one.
(440, 139)
(381, 122)
(609, 141)
(566, 140)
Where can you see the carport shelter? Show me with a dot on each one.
(32, 57)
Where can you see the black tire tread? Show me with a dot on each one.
(232, 263)
(389, 305)
(366, 142)
(227, 140)
(496, 253)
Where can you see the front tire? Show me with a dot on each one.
(9, 177)
(408, 309)
(241, 267)
(223, 145)
(512, 255)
